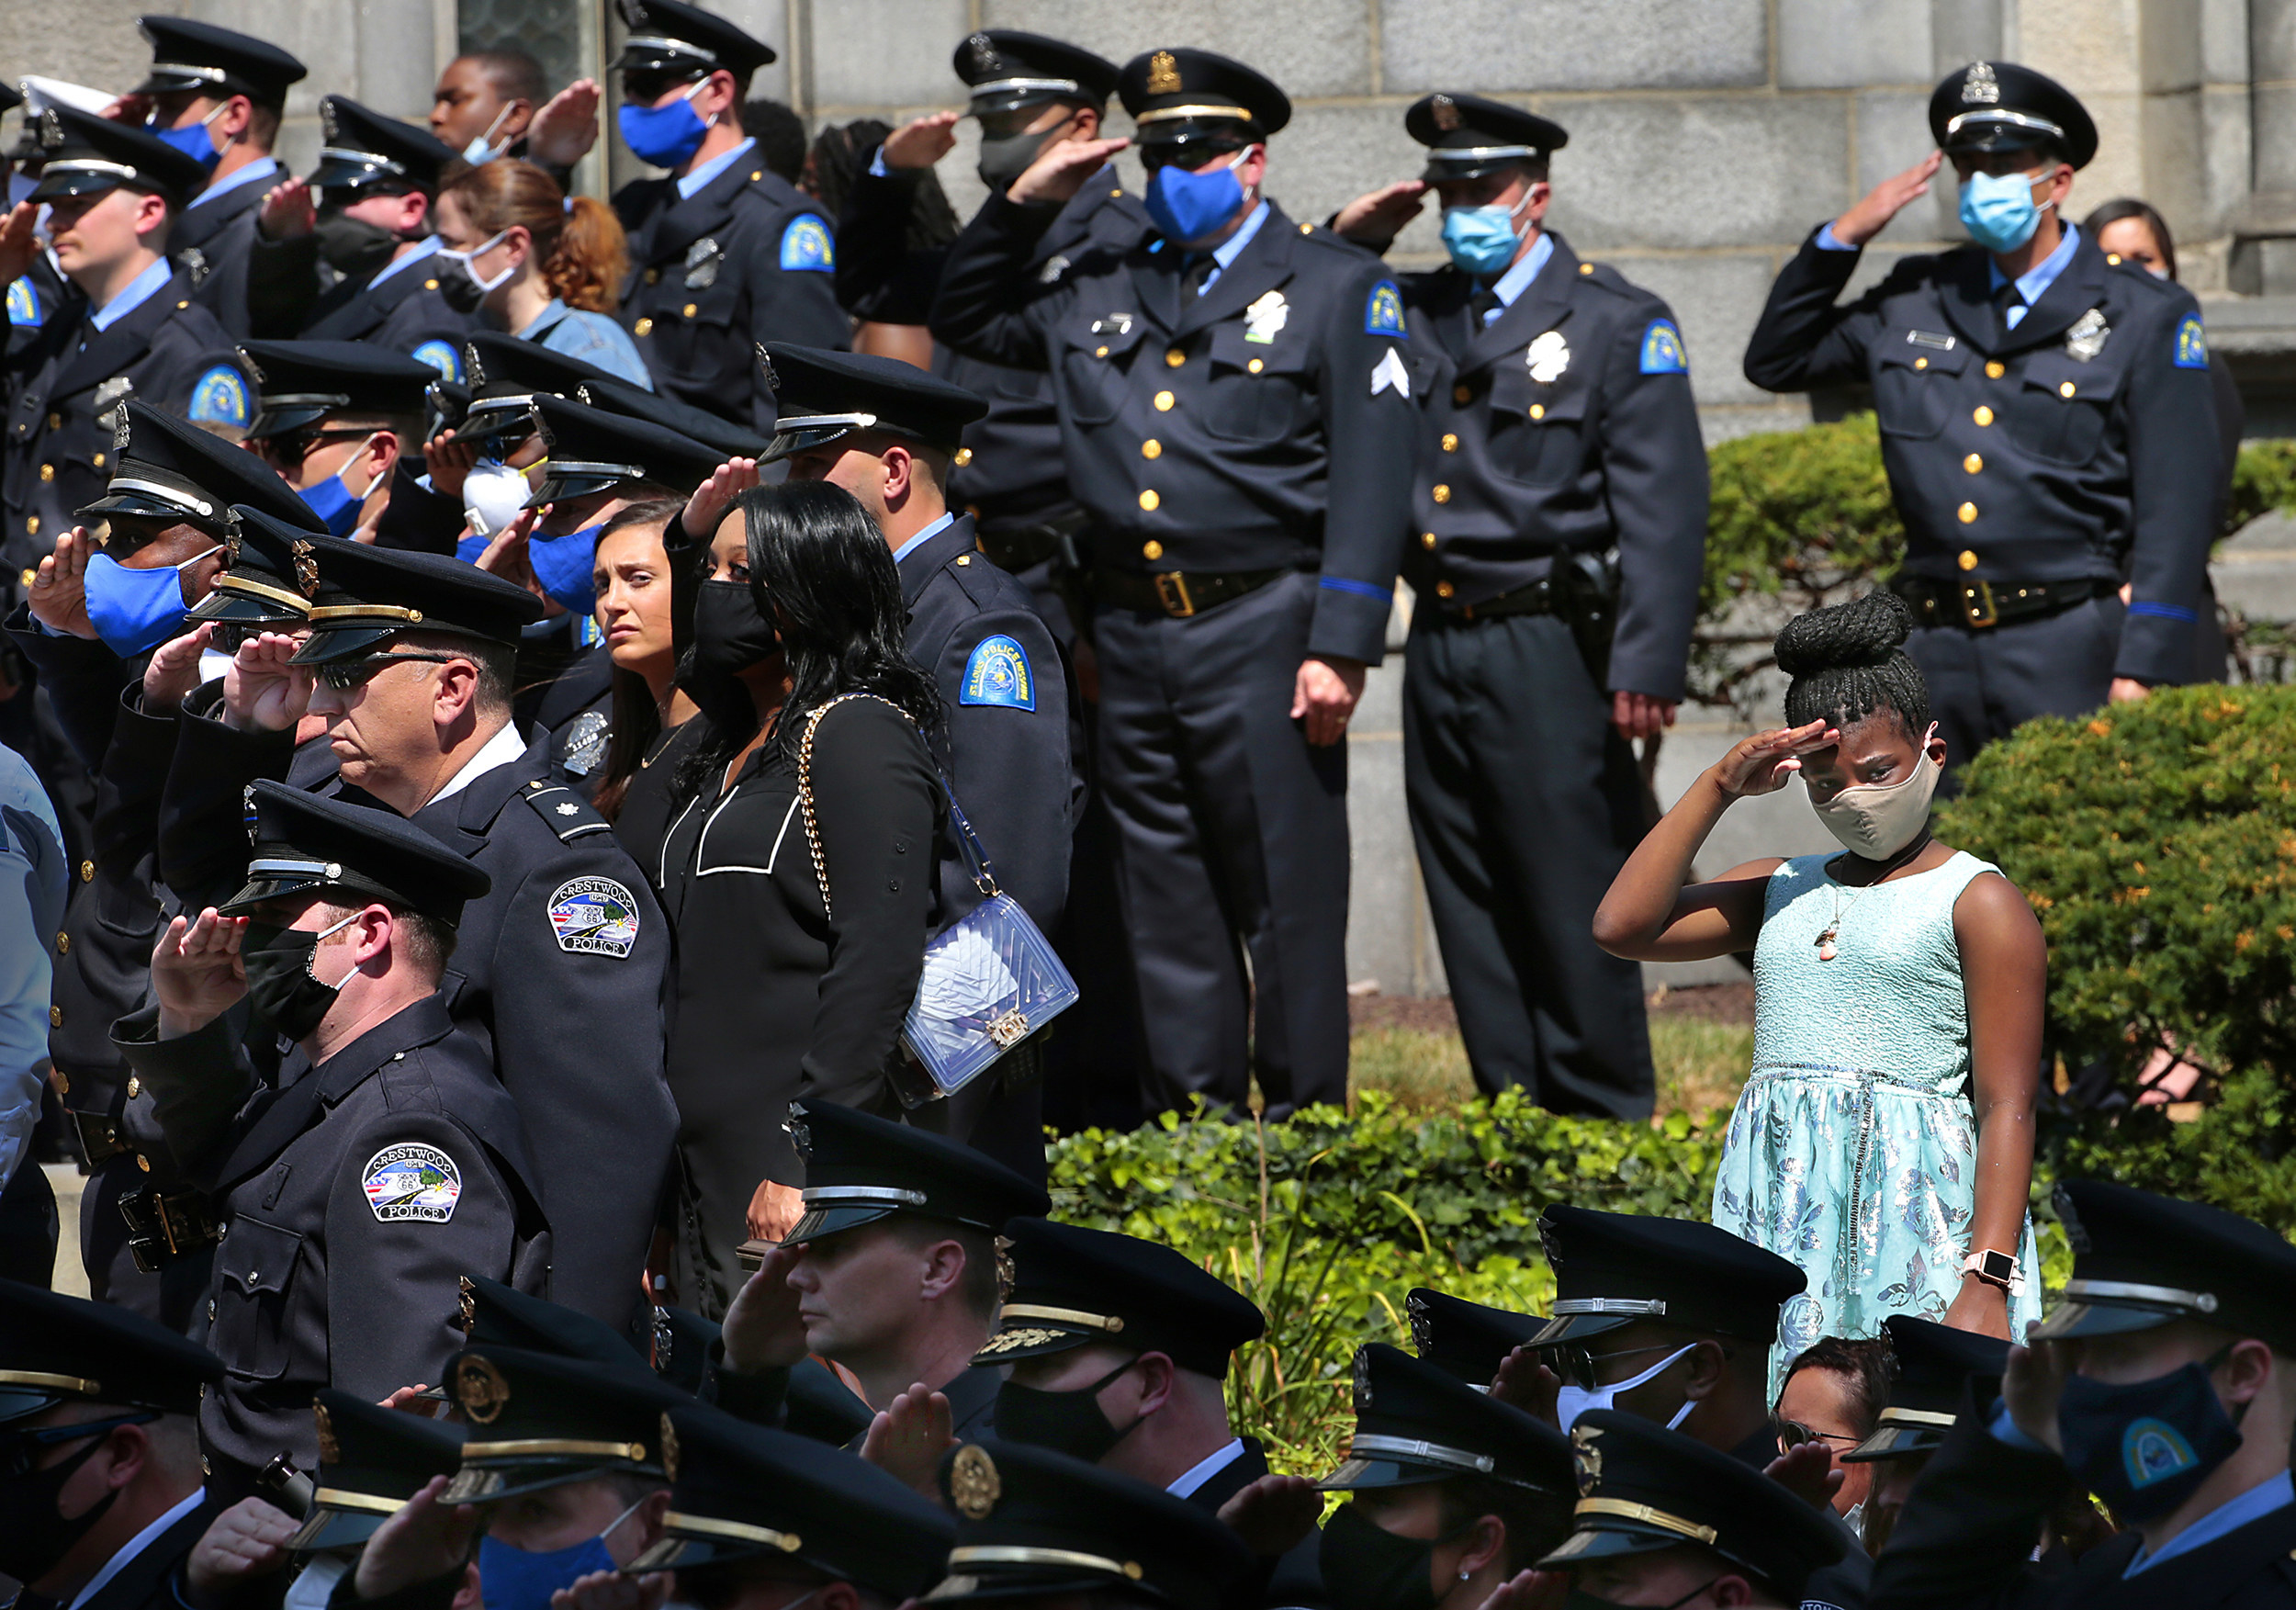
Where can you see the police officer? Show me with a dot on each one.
(1465, 1339)
(98, 1413)
(1932, 1369)
(218, 97)
(371, 1462)
(1229, 394)
(386, 1155)
(2042, 410)
(1663, 1519)
(568, 917)
(1557, 535)
(724, 252)
(334, 418)
(372, 191)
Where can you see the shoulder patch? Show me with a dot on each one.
(442, 356)
(1383, 312)
(998, 673)
(218, 396)
(566, 813)
(412, 1181)
(807, 247)
(1662, 349)
(2192, 343)
(594, 917)
(23, 302)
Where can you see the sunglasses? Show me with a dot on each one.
(1189, 154)
(1794, 1433)
(289, 448)
(344, 675)
(1579, 1366)
(20, 1451)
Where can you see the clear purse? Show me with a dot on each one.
(991, 978)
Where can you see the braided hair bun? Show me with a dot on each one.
(1848, 661)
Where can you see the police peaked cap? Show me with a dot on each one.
(1933, 1366)
(11, 97)
(540, 1420)
(308, 844)
(85, 155)
(57, 1349)
(1612, 1269)
(366, 594)
(497, 1315)
(371, 1460)
(1007, 68)
(1035, 1524)
(743, 1491)
(505, 374)
(719, 435)
(822, 396)
(592, 450)
(1643, 1487)
(299, 383)
(1072, 1288)
(1466, 1338)
(2141, 1260)
(1469, 135)
(1416, 1421)
(669, 36)
(165, 469)
(860, 1167)
(1998, 105)
(1181, 95)
(270, 571)
(363, 147)
(202, 59)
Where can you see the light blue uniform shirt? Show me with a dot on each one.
(1519, 276)
(692, 182)
(2029, 284)
(261, 168)
(141, 290)
(922, 537)
(32, 889)
(421, 251)
(592, 337)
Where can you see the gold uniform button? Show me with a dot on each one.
(756, 174)
(1539, 410)
(98, 461)
(963, 458)
(653, 276)
(1972, 464)
(429, 285)
(1968, 561)
(1444, 590)
(1254, 366)
(31, 525)
(1583, 268)
(643, 327)
(135, 1087)
(29, 576)
(1984, 415)
(1462, 394)
(1099, 352)
(1152, 549)
(55, 422)
(2113, 258)
(48, 472)
(687, 311)
(2066, 389)
(55, 1017)
(145, 1164)
(1305, 229)
(1968, 512)
(87, 872)
(964, 559)
(1148, 500)
(1995, 370)
(1426, 540)
(64, 944)
(1165, 399)
(1174, 357)
(1152, 448)
(1450, 443)
(1441, 493)
(1920, 363)
(180, 305)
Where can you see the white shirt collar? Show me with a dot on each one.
(922, 537)
(692, 182)
(140, 290)
(501, 750)
(1205, 1469)
(135, 1546)
(429, 244)
(261, 168)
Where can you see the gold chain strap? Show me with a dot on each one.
(805, 785)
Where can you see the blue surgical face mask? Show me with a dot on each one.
(667, 135)
(1483, 240)
(564, 564)
(333, 501)
(194, 142)
(1998, 209)
(1188, 207)
(135, 610)
(523, 1578)
(478, 151)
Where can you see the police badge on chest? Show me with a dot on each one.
(701, 260)
(2087, 336)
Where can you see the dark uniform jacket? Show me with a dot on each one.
(1847, 1584)
(214, 240)
(149, 1581)
(1005, 695)
(562, 962)
(1012, 472)
(405, 313)
(1296, 1577)
(1253, 428)
(745, 259)
(1564, 426)
(2076, 447)
(64, 385)
(356, 1194)
(1964, 1540)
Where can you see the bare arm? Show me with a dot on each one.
(1649, 916)
(2005, 968)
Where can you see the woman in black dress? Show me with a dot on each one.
(774, 997)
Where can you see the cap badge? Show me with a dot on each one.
(1007, 1277)
(330, 1450)
(327, 120)
(2086, 338)
(1980, 88)
(1447, 114)
(1163, 73)
(669, 1447)
(974, 1485)
(1422, 1325)
(1547, 357)
(123, 433)
(2075, 1235)
(480, 1389)
(1587, 1457)
(1363, 1380)
(772, 381)
(305, 567)
(665, 1340)
(230, 541)
(795, 1126)
(468, 1303)
(983, 50)
(50, 129)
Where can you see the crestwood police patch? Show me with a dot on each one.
(1383, 313)
(596, 916)
(997, 673)
(805, 246)
(219, 397)
(1662, 349)
(440, 356)
(412, 1181)
(2192, 343)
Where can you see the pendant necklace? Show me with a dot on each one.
(1827, 950)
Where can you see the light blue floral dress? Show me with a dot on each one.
(1852, 1151)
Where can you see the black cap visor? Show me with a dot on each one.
(688, 1541)
(829, 1220)
(1605, 1542)
(24, 1396)
(567, 477)
(1897, 1442)
(293, 878)
(2107, 1319)
(126, 495)
(802, 433)
(1034, 1338)
(1009, 95)
(491, 1482)
(354, 636)
(341, 168)
(1999, 129)
(276, 415)
(679, 60)
(1577, 1327)
(1211, 126)
(498, 426)
(1353, 1474)
(183, 78)
(88, 175)
(1473, 163)
(235, 601)
(973, 1581)
(341, 1520)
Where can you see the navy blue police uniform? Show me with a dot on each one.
(215, 234)
(1233, 438)
(739, 258)
(1559, 530)
(375, 1175)
(2039, 465)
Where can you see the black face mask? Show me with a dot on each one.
(1004, 157)
(1366, 1567)
(353, 247)
(280, 982)
(1071, 1422)
(33, 1536)
(730, 634)
(2146, 1446)
(460, 288)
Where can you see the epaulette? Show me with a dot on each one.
(563, 811)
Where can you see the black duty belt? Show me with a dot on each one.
(1178, 593)
(1021, 548)
(1533, 598)
(100, 1140)
(1979, 606)
(165, 1225)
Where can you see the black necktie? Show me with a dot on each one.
(1198, 269)
(2006, 297)
(1480, 305)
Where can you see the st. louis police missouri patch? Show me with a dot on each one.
(998, 673)
(412, 1181)
(595, 916)
(807, 247)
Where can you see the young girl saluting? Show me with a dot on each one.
(1892, 984)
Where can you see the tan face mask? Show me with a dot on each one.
(1878, 819)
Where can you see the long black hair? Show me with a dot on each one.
(1847, 662)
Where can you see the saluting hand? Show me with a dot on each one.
(508, 556)
(1274, 1513)
(763, 1329)
(449, 462)
(426, 1539)
(247, 1541)
(172, 671)
(707, 507)
(1531, 1589)
(922, 141)
(908, 1437)
(1377, 219)
(1761, 764)
(289, 211)
(566, 127)
(196, 974)
(1885, 201)
(2031, 1384)
(262, 692)
(20, 243)
(1060, 170)
(610, 1590)
(59, 599)
(1808, 1471)
(1524, 1383)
